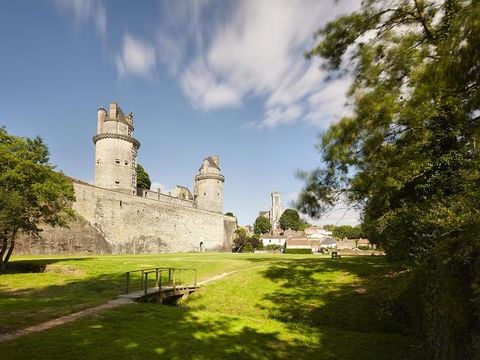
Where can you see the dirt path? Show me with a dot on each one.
(91, 311)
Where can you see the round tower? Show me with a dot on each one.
(208, 188)
(115, 150)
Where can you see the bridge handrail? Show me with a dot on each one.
(158, 272)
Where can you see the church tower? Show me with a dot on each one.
(208, 187)
(115, 150)
(276, 210)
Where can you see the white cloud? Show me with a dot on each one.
(137, 57)
(252, 48)
(84, 12)
(329, 103)
(201, 86)
(340, 214)
(157, 185)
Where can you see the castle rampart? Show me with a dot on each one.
(134, 224)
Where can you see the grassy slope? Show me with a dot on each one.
(283, 307)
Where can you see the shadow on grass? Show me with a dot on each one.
(28, 306)
(318, 317)
(36, 265)
(147, 331)
(356, 294)
(313, 295)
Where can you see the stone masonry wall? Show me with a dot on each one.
(132, 224)
(79, 237)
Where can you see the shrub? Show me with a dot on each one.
(298, 251)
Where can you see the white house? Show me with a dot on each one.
(328, 243)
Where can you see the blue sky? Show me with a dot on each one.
(202, 78)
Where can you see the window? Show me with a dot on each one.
(117, 182)
(126, 162)
(98, 162)
(117, 161)
(204, 193)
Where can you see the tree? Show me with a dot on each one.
(31, 192)
(290, 220)
(408, 156)
(347, 231)
(244, 243)
(143, 179)
(329, 227)
(262, 225)
(303, 225)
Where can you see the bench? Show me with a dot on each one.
(336, 255)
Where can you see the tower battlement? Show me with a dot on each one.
(116, 163)
(115, 150)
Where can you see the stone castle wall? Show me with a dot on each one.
(133, 224)
(80, 238)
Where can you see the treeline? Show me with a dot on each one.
(345, 231)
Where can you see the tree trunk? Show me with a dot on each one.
(2, 253)
(10, 250)
(4, 260)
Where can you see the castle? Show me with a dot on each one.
(116, 165)
(118, 217)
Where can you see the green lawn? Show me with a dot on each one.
(279, 307)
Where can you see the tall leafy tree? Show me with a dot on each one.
(143, 179)
(408, 154)
(262, 225)
(347, 231)
(31, 191)
(290, 220)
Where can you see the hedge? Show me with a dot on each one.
(298, 251)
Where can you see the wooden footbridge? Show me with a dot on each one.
(159, 284)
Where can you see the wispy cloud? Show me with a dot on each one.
(136, 57)
(253, 48)
(85, 12)
(155, 186)
(341, 214)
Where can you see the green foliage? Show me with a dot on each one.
(244, 243)
(347, 231)
(143, 179)
(229, 214)
(31, 192)
(408, 153)
(329, 227)
(303, 225)
(297, 251)
(290, 220)
(273, 247)
(262, 225)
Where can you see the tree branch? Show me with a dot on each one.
(423, 22)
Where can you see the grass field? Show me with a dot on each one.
(277, 307)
